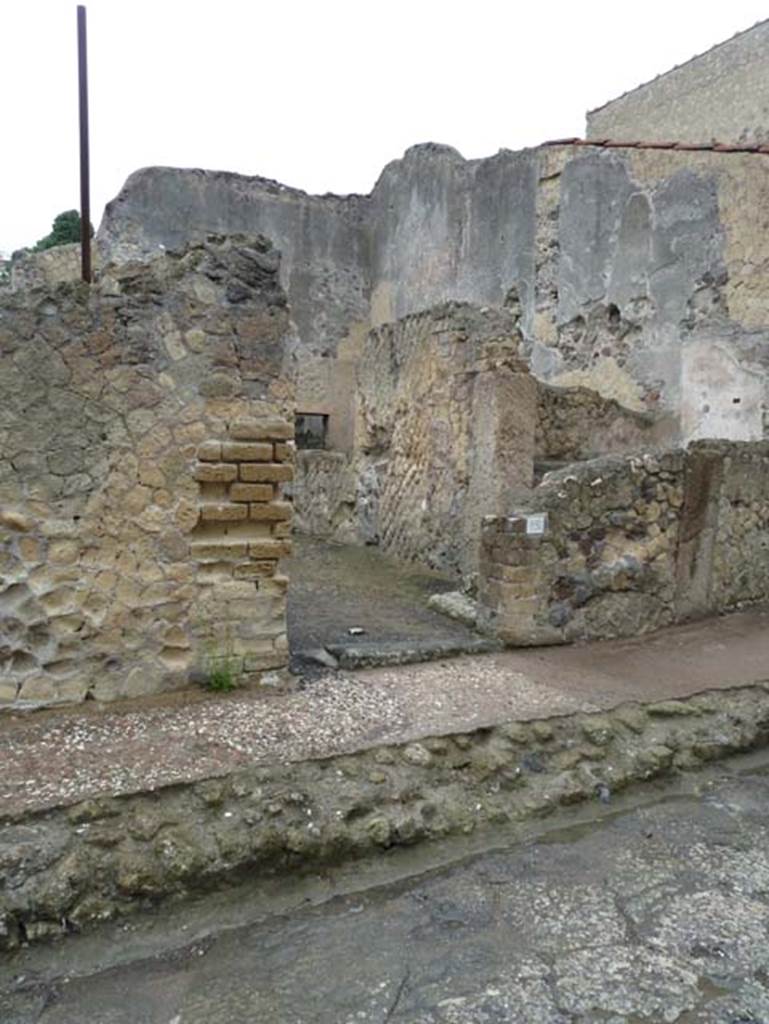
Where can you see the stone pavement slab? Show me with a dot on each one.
(657, 913)
(55, 758)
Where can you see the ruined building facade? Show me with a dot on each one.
(441, 343)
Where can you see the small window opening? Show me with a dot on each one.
(311, 430)
(736, 401)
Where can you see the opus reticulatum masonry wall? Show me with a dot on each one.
(145, 437)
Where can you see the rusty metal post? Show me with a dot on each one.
(85, 173)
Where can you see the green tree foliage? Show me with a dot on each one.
(66, 228)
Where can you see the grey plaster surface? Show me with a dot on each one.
(656, 913)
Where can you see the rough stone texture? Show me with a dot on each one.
(639, 273)
(450, 426)
(326, 495)
(47, 268)
(125, 567)
(444, 435)
(721, 95)
(576, 423)
(630, 544)
(91, 861)
(447, 432)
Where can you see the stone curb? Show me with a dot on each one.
(64, 869)
(373, 653)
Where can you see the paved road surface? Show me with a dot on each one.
(658, 913)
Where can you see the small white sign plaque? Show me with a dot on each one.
(536, 525)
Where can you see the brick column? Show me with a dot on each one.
(243, 530)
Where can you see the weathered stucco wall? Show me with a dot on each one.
(630, 544)
(653, 281)
(144, 426)
(720, 95)
(640, 273)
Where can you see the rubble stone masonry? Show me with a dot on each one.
(622, 545)
(145, 441)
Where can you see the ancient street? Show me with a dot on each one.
(656, 913)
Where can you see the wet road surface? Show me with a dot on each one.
(655, 913)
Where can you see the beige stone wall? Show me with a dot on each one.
(446, 413)
(49, 267)
(325, 496)
(720, 95)
(629, 544)
(144, 442)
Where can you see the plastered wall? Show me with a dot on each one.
(641, 274)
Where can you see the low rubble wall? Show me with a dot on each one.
(68, 867)
(623, 545)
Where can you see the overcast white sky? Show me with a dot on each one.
(319, 94)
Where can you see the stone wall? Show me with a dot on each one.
(445, 414)
(640, 273)
(144, 442)
(325, 494)
(629, 544)
(576, 423)
(69, 867)
(649, 282)
(46, 268)
(720, 95)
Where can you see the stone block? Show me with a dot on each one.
(44, 690)
(268, 428)
(271, 511)
(238, 451)
(7, 692)
(16, 521)
(254, 570)
(210, 451)
(207, 552)
(262, 662)
(251, 492)
(285, 451)
(215, 472)
(269, 548)
(261, 472)
(224, 512)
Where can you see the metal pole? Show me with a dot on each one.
(85, 185)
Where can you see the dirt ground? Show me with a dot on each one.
(337, 586)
